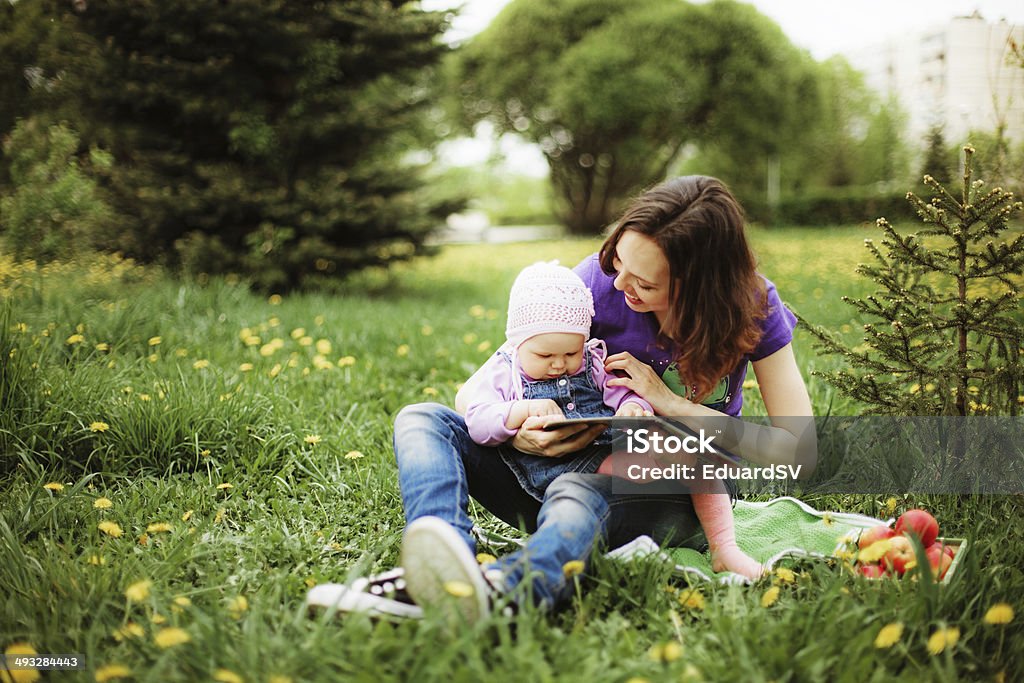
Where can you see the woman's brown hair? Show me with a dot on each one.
(716, 297)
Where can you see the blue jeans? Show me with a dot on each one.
(440, 467)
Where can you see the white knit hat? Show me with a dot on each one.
(547, 297)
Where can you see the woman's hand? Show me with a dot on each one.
(642, 379)
(532, 438)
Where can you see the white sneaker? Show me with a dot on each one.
(382, 594)
(441, 571)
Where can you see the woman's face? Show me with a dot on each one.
(642, 273)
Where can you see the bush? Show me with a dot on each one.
(834, 207)
(56, 210)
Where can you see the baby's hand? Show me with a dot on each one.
(630, 409)
(539, 407)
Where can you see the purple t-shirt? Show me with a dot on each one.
(623, 329)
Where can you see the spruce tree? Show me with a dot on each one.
(944, 333)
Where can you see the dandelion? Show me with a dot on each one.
(875, 551)
(889, 635)
(103, 346)
(827, 519)
(227, 676)
(74, 339)
(155, 341)
(943, 639)
(402, 350)
(298, 332)
(22, 675)
(158, 619)
(890, 505)
(103, 504)
(458, 589)
(201, 364)
(159, 528)
(306, 341)
(346, 361)
(692, 599)
(97, 560)
(54, 486)
(171, 636)
(666, 652)
(785, 575)
(205, 453)
(187, 516)
(572, 568)
(353, 455)
(750, 384)
(138, 591)
(245, 367)
(429, 391)
(770, 597)
(477, 311)
(182, 601)
(112, 672)
(144, 539)
(153, 357)
(323, 347)
(426, 330)
(275, 371)
(219, 517)
(485, 558)
(469, 338)
(225, 486)
(111, 529)
(312, 439)
(237, 605)
(129, 630)
(145, 398)
(275, 300)
(98, 427)
(999, 614)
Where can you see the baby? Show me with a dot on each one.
(549, 366)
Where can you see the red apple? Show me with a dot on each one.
(872, 571)
(919, 523)
(875, 533)
(901, 551)
(938, 560)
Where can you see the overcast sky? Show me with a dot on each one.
(825, 27)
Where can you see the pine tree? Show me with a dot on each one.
(945, 333)
(936, 163)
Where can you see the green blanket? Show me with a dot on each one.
(768, 532)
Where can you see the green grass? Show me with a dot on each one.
(304, 443)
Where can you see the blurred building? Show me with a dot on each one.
(960, 75)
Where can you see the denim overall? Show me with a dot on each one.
(578, 396)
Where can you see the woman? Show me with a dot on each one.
(682, 310)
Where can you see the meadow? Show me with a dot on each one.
(181, 460)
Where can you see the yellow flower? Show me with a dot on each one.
(75, 339)
(890, 505)
(112, 672)
(103, 346)
(943, 639)
(666, 652)
(225, 485)
(429, 391)
(54, 486)
(572, 568)
(245, 367)
(426, 330)
(459, 589)
(171, 636)
(875, 551)
(889, 635)
(129, 630)
(187, 516)
(770, 597)
(353, 455)
(110, 529)
(998, 614)
(692, 599)
(159, 527)
(237, 605)
(103, 504)
(306, 341)
(219, 517)
(138, 591)
(275, 300)
(345, 361)
(483, 346)
(158, 619)
(477, 311)
(182, 601)
(20, 675)
(312, 439)
(155, 341)
(469, 338)
(827, 519)
(205, 453)
(298, 332)
(227, 676)
(323, 347)
(97, 560)
(200, 364)
(485, 558)
(785, 575)
(402, 350)
(98, 427)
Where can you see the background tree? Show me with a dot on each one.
(269, 138)
(937, 162)
(943, 334)
(612, 91)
